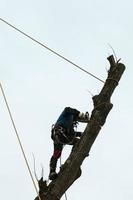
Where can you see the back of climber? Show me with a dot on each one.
(63, 133)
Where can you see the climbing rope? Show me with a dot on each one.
(46, 47)
(18, 138)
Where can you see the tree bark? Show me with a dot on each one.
(70, 170)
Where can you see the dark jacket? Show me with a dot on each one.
(66, 120)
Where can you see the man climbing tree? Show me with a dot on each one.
(71, 169)
(63, 133)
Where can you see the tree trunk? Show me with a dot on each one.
(70, 170)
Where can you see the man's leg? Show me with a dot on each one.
(53, 161)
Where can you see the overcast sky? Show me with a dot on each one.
(38, 86)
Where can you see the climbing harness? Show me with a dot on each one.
(19, 141)
(59, 134)
(46, 47)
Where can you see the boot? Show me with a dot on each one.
(53, 162)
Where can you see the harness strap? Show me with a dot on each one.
(58, 132)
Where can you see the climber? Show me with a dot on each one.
(63, 133)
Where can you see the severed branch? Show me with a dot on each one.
(71, 170)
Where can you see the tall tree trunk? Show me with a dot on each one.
(70, 170)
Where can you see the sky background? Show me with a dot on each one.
(38, 86)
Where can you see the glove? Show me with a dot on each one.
(83, 117)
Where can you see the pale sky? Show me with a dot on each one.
(38, 86)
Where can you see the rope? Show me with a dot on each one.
(112, 79)
(46, 47)
(18, 138)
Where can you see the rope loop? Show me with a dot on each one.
(101, 104)
(112, 79)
